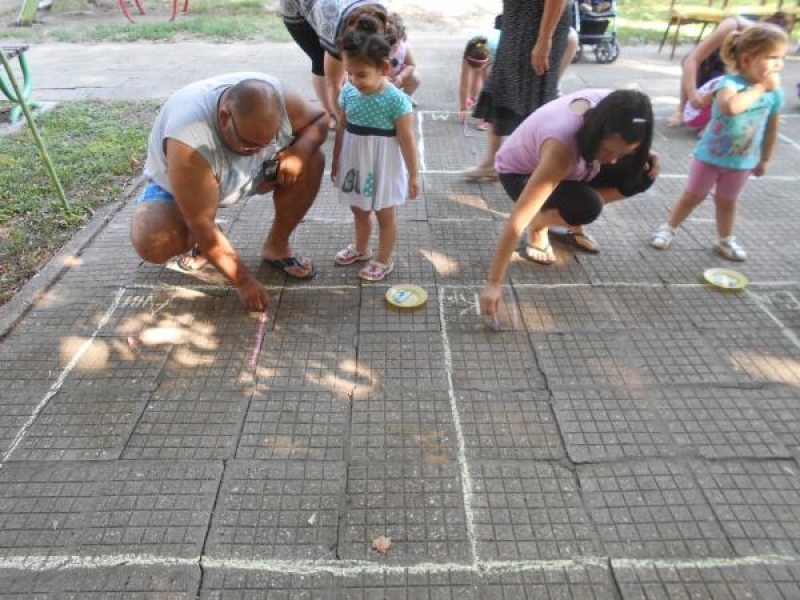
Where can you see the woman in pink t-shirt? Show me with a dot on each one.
(563, 164)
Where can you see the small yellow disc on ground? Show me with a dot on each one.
(406, 295)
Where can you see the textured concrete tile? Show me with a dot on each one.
(406, 361)
(185, 424)
(508, 425)
(277, 510)
(421, 508)
(764, 355)
(610, 424)
(83, 422)
(126, 581)
(757, 503)
(462, 251)
(717, 422)
(618, 264)
(576, 308)
(633, 358)
(65, 309)
(781, 304)
(530, 511)
(779, 408)
(17, 407)
(318, 312)
(290, 361)
(650, 509)
(458, 204)
(587, 582)
(774, 581)
(488, 360)
(125, 507)
(440, 153)
(308, 425)
(220, 583)
(403, 426)
(586, 359)
(673, 307)
(566, 270)
(669, 582)
(416, 586)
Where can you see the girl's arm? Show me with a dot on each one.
(555, 164)
(408, 148)
(732, 102)
(463, 91)
(768, 145)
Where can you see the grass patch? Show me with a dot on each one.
(223, 21)
(96, 147)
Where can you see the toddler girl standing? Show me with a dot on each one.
(375, 153)
(740, 137)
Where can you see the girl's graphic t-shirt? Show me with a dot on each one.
(734, 142)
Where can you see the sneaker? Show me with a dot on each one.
(730, 249)
(350, 255)
(662, 237)
(477, 173)
(376, 271)
(483, 126)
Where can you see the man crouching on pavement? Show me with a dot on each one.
(217, 141)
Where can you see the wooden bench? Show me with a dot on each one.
(685, 14)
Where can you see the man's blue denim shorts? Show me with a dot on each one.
(154, 193)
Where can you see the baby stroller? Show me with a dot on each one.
(596, 24)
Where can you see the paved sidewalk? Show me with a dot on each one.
(629, 433)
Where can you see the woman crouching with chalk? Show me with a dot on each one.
(566, 161)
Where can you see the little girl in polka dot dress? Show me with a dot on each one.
(375, 166)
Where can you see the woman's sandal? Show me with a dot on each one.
(542, 256)
(583, 241)
(376, 271)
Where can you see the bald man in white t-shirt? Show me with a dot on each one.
(207, 149)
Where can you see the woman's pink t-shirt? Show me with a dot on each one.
(519, 153)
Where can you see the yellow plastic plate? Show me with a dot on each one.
(725, 279)
(406, 295)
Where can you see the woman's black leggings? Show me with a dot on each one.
(308, 40)
(579, 202)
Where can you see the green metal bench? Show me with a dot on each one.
(18, 96)
(12, 52)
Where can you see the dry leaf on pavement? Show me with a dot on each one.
(382, 544)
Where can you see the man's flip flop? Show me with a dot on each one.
(192, 260)
(542, 256)
(293, 261)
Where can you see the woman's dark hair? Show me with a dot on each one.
(477, 52)
(627, 113)
(366, 41)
